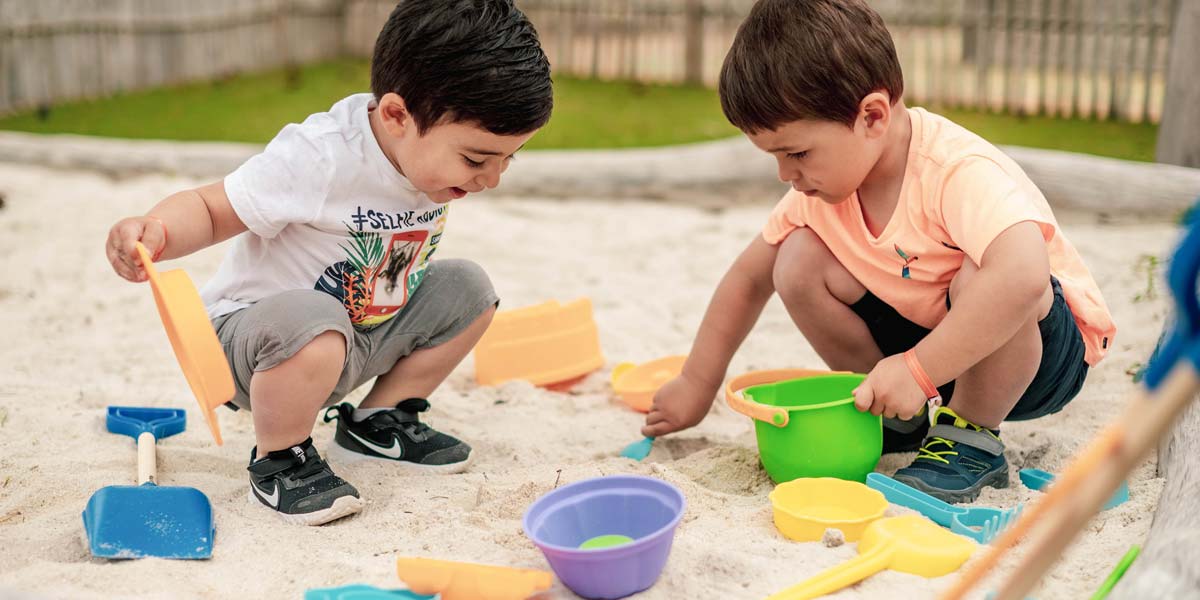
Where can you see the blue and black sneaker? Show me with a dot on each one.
(300, 487)
(957, 460)
(396, 436)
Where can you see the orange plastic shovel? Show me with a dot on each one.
(470, 581)
(193, 338)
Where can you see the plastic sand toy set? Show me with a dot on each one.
(610, 537)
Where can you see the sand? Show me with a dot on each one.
(78, 338)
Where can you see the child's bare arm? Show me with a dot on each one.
(1013, 277)
(182, 223)
(732, 312)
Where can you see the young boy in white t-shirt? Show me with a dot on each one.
(328, 282)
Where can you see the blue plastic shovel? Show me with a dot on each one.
(638, 450)
(363, 592)
(135, 521)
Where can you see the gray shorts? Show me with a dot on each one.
(256, 338)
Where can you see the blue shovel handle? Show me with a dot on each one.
(1184, 338)
(136, 420)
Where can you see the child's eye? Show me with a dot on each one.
(472, 163)
(797, 155)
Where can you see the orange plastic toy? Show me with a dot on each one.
(636, 384)
(193, 338)
(470, 581)
(544, 344)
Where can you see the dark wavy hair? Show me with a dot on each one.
(806, 59)
(471, 61)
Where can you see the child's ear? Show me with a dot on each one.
(875, 112)
(393, 112)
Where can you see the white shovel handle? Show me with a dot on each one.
(147, 464)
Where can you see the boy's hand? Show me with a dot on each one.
(679, 404)
(120, 245)
(890, 390)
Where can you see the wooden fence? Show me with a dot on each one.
(57, 50)
(1091, 58)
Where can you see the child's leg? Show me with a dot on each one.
(818, 292)
(410, 355)
(286, 397)
(849, 327)
(287, 354)
(419, 373)
(985, 393)
(1035, 372)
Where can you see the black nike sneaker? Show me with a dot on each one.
(300, 487)
(396, 436)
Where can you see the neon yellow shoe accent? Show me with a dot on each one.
(926, 450)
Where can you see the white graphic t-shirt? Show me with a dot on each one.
(326, 210)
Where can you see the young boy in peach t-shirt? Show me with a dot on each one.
(909, 249)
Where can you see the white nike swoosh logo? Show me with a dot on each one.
(393, 451)
(272, 499)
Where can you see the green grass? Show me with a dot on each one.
(587, 114)
(1130, 141)
(252, 108)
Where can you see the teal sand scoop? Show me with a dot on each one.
(638, 450)
(144, 520)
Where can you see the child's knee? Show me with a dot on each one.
(806, 271)
(326, 350)
(801, 255)
(468, 278)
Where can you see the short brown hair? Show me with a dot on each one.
(806, 59)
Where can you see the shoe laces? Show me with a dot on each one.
(927, 451)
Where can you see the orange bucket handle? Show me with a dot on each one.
(768, 414)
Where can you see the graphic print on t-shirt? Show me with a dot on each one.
(391, 287)
(904, 272)
(381, 270)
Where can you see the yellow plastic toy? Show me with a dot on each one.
(910, 544)
(637, 384)
(470, 581)
(193, 338)
(544, 344)
(804, 508)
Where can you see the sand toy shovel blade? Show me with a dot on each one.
(135, 521)
(910, 544)
(638, 450)
(469, 581)
(193, 339)
(363, 592)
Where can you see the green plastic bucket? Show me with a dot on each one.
(813, 429)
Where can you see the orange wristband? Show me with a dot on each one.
(164, 228)
(918, 372)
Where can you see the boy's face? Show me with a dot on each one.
(826, 159)
(448, 161)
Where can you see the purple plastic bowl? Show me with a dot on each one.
(643, 508)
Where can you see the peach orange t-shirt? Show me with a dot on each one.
(959, 192)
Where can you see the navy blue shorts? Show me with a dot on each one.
(1060, 374)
